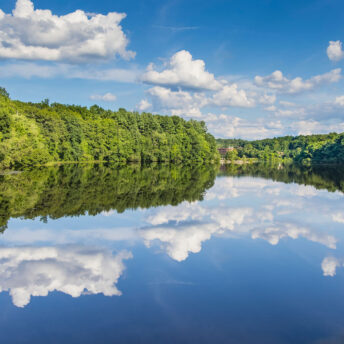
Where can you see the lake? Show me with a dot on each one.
(168, 254)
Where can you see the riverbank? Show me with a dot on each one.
(239, 161)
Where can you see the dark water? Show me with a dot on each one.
(246, 254)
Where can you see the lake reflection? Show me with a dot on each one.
(246, 254)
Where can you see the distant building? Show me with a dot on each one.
(223, 151)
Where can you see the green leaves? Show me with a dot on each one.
(73, 190)
(36, 134)
(306, 150)
(4, 93)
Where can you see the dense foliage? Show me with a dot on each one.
(72, 190)
(37, 134)
(310, 149)
(330, 178)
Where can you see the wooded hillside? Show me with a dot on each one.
(37, 134)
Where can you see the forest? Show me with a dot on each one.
(330, 178)
(73, 190)
(34, 134)
(310, 149)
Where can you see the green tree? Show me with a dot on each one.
(232, 155)
(4, 93)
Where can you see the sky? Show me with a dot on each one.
(250, 69)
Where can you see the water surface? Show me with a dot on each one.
(106, 254)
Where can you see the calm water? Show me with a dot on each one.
(101, 254)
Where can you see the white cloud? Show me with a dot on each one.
(185, 211)
(340, 101)
(273, 81)
(183, 229)
(338, 217)
(236, 127)
(36, 271)
(28, 236)
(107, 97)
(229, 187)
(306, 191)
(271, 108)
(30, 70)
(294, 112)
(144, 105)
(178, 102)
(40, 35)
(275, 233)
(181, 241)
(182, 71)
(329, 266)
(286, 103)
(190, 78)
(335, 51)
(309, 127)
(178, 233)
(277, 81)
(267, 99)
(230, 95)
(180, 94)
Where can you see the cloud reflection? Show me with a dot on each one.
(329, 266)
(36, 271)
(180, 238)
(181, 230)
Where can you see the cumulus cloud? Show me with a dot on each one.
(267, 99)
(183, 229)
(186, 211)
(309, 127)
(181, 241)
(31, 34)
(229, 187)
(329, 266)
(230, 95)
(278, 82)
(107, 97)
(335, 51)
(36, 271)
(236, 127)
(144, 105)
(178, 102)
(182, 71)
(338, 217)
(185, 88)
(340, 101)
(274, 234)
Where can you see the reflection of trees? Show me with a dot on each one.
(75, 190)
(330, 178)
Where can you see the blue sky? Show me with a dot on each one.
(249, 69)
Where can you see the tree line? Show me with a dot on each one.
(42, 133)
(330, 178)
(310, 149)
(73, 190)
